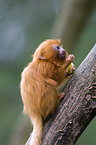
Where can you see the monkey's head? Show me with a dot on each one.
(51, 50)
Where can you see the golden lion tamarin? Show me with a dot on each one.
(40, 81)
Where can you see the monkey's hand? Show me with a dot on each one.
(69, 59)
(70, 69)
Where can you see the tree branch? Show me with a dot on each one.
(78, 107)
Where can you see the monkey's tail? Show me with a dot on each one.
(37, 128)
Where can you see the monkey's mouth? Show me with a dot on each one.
(62, 55)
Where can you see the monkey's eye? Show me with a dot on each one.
(57, 47)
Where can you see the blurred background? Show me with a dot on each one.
(23, 26)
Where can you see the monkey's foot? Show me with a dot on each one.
(61, 96)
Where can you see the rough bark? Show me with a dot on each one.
(78, 107)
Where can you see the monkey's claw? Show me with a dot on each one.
(61, 96)
(73, 70)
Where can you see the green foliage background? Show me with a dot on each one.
(23, 26)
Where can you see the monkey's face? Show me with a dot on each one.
(61, 53)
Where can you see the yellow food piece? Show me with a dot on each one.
(69, 69)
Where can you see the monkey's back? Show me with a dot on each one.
(36, 92)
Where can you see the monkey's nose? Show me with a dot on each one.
(64, 51)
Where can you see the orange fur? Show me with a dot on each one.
(40, 82)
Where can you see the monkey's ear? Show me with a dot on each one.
(41, 57)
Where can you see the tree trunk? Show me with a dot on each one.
(78, 107)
